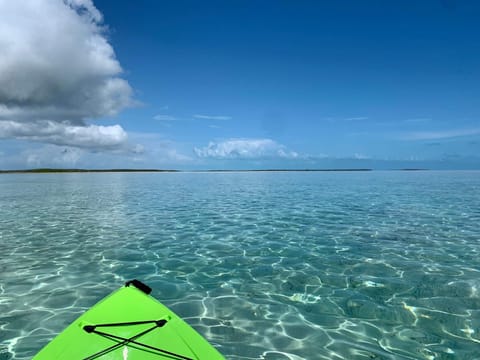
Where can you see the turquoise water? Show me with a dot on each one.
(371, 265)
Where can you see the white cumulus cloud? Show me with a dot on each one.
(245, 149)
(57, 70)
(90, 137)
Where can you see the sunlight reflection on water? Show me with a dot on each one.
(380, 265)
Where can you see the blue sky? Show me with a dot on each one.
(240, 84)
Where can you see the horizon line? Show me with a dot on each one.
(80, 170)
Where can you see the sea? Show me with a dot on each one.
(265, 265)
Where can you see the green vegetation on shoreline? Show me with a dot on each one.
(52, 170)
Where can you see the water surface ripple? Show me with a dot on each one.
(375, 265)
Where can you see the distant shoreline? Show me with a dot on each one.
(56, 171)
(50, 171)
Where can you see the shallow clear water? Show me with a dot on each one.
(371, 265)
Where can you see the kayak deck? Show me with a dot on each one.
(128, 325)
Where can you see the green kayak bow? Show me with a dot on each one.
(129, 324)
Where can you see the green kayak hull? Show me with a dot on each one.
(128, 325)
